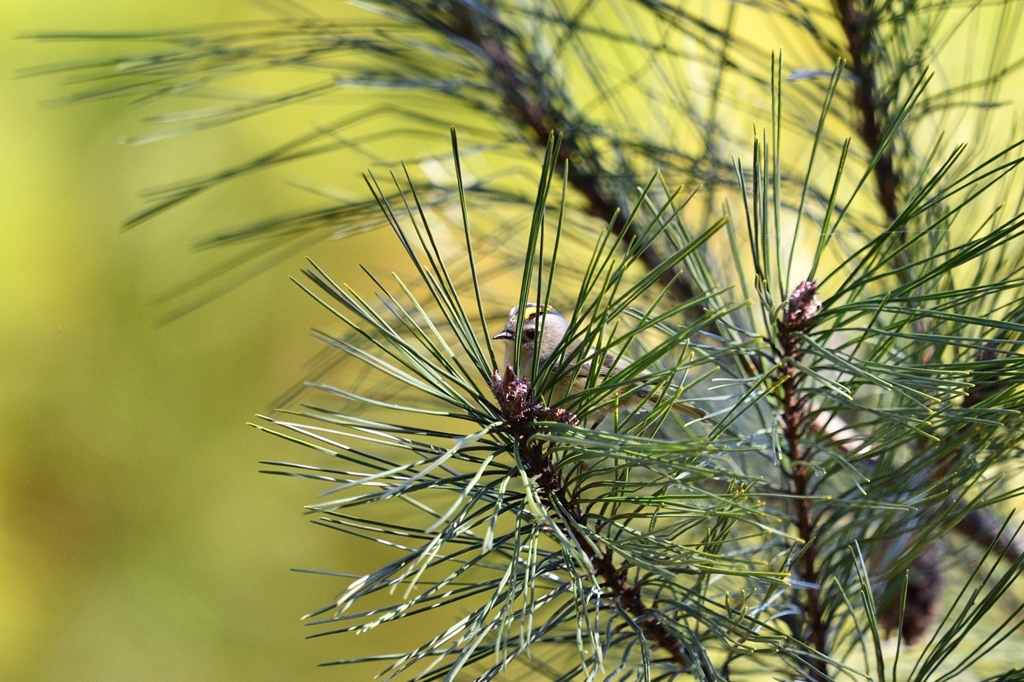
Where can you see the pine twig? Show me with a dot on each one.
(535, 111)
(795, 320)
(986, 532)
(859, 40)
(521, 415)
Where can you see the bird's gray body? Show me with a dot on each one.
(543, 329)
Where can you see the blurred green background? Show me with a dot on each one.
(137, 540)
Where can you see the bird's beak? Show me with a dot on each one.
(504, 335)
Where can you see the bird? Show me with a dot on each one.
(552, 327)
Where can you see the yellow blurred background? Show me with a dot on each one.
(137, 540)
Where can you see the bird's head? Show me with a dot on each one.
(538, 321)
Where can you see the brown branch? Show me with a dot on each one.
(520, 415)
(796, 316)
(986, 532)
(532, 108)
(976, 526)
(859, 40)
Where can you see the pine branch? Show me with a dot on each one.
(534, 109)
(984, 531)
(795, 320)
(531, 105)
(521, 415)
(860, 39)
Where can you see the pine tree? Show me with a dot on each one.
(840, 292)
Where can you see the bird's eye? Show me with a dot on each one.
(530, 333)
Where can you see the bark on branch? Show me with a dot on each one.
(521, 414)
(859, 39)
(799, 310)
(532, 107)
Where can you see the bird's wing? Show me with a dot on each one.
(610, 363)
(645, 391)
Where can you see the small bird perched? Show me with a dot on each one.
(551, 326)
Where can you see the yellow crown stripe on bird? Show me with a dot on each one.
(530, 310)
